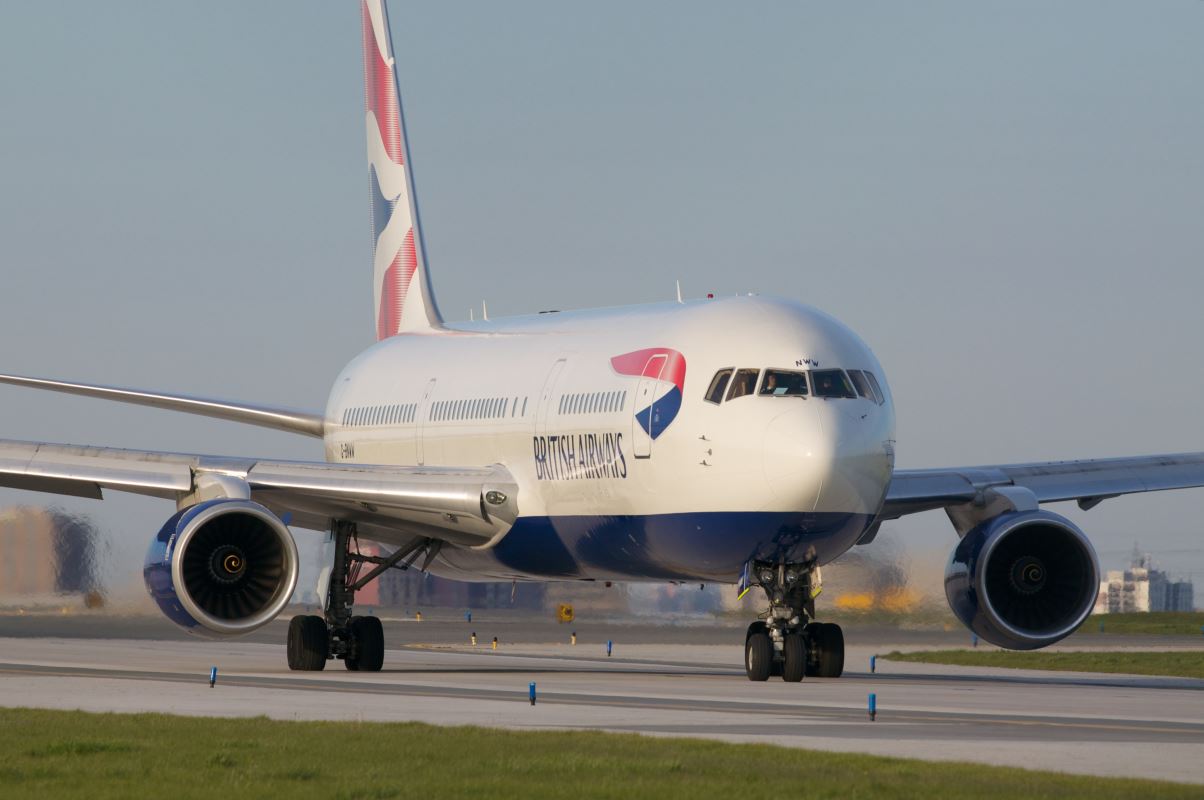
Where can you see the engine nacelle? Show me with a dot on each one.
(222, 567)
(1023, 580)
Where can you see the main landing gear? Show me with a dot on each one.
(358, 641)
(783, 642)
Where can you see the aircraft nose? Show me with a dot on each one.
(796, 456)
(860, 467)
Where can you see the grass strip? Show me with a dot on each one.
(68, 754)
(1181, 664)
(1159, 623)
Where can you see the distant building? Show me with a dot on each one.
(1141, 588)
(45, 552)
(412, 589)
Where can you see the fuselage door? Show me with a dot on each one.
(645, 406)
(424, 413)
(546, 395)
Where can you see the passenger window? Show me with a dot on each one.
(832, 383)
(780, 383)
(863, 386)
(718, 386)
(879, 397)
(743, 383)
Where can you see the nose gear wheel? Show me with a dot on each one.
(784, 641)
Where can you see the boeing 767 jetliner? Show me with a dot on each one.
(743, 440)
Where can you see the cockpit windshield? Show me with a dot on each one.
(832, 383)
(744, 383)
(718, 386)
(729, 383)
(780, 383)
(863, 385)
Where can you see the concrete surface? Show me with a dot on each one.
(661, 680)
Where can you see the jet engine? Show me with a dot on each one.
(1023, 580)
(222, 567)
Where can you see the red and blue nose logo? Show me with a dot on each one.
(663, 374)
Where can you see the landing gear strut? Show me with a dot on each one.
(358, 641)
(784, 642)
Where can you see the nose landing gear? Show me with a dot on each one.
(783, 642)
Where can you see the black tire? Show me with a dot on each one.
(308, 643)
(758, 656)
(828, 639)
(775, 666)
(368, 637)
(794, 657)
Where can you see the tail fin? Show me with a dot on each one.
(403, 297)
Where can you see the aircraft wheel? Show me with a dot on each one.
(369, 638)
(308, 641)
(758, 656)
(827, 643)
(794, 657)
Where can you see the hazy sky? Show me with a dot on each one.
(1006, 201)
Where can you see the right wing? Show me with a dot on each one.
(470, 507)
(1089, 481)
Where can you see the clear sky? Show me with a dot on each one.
(1005, 199)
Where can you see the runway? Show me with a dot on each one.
(660, 681)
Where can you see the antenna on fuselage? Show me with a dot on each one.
(679, 291)
(484, 311)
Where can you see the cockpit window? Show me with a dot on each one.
(780, 383)
(744, 383)
(879, 397)
(832, 383)
(862, 384)
(718, 386)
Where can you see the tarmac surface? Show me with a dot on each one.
(678, 679)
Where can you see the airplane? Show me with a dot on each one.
(746, 440)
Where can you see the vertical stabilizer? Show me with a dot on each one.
(403, 298)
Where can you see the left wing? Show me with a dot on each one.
(293, 420)
(1089, 482)
(469, 506)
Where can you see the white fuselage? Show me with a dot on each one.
(689, 492)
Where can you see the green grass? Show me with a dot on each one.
(1163, 623)
(62, 754)
(1184, 664)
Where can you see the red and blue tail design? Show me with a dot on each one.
(668, 368)
(403, 297)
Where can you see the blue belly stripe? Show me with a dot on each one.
(704, 546)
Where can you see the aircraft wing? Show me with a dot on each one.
(1089, 481)
(292, 420)
(471, 506)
